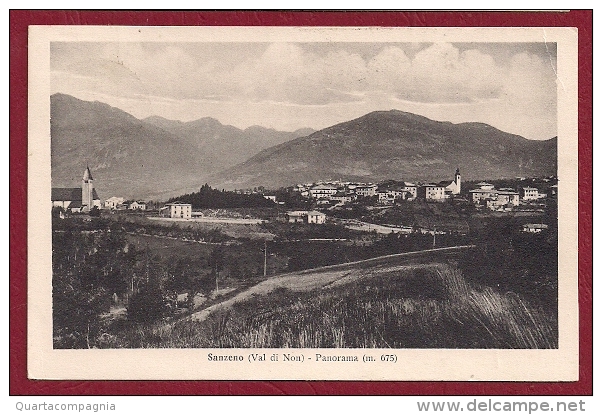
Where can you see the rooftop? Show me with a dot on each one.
(315, 213)
(178, 203)
(70, 194)
(297, 213)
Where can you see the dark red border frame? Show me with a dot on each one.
(20, 19)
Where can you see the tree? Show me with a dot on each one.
(88, 267)
(76, 311)
(216, 262)
(148, 304)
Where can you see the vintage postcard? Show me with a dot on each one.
(302, 203)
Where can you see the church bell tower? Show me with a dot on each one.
(87, 190)
(458, 180)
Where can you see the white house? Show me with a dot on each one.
(297, 216)
(323, 191)
(177, 210)
(433, 192)
(366, 191)
(303, 216)
(137, 205)
(411, 189)
(316, 217)
(342, 197)
(530, 193)
(113, 202)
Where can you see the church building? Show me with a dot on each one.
(76, 199)
(455, 186)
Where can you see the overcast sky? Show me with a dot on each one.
(286, 86)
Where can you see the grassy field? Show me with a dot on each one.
(409, 306)
(169, 247)
(153, 224)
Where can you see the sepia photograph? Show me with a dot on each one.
(308, 195)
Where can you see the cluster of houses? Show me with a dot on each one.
(339, 193)
(336, 193)
(487, 195)
(504, 199)
(119, 203)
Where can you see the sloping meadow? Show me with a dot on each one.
(415, 306)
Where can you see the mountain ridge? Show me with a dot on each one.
(156, 157)
(138, 158)
(394, 144)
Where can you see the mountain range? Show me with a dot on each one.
(155, 158)
(395, 145)
(149, 158)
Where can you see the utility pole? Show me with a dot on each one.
(265, 257)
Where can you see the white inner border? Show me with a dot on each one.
(44, 362)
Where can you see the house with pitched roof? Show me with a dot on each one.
(176, 209)
(114, 202)
(137, 205)
(494, 199)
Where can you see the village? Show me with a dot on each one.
(325, 200)
(172, 259)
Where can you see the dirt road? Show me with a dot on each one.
(335, 274)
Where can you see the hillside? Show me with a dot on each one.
(121, 151)
(398, 145)
(151, 158)
(372, 306)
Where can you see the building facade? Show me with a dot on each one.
(177, 210)
(316, 217)
(114, 202)
(433, 192)
(366, 191)
(137, 205)
(323, 191)
(530, 193)
(411, 189)
(494, 199)
(297, 216)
